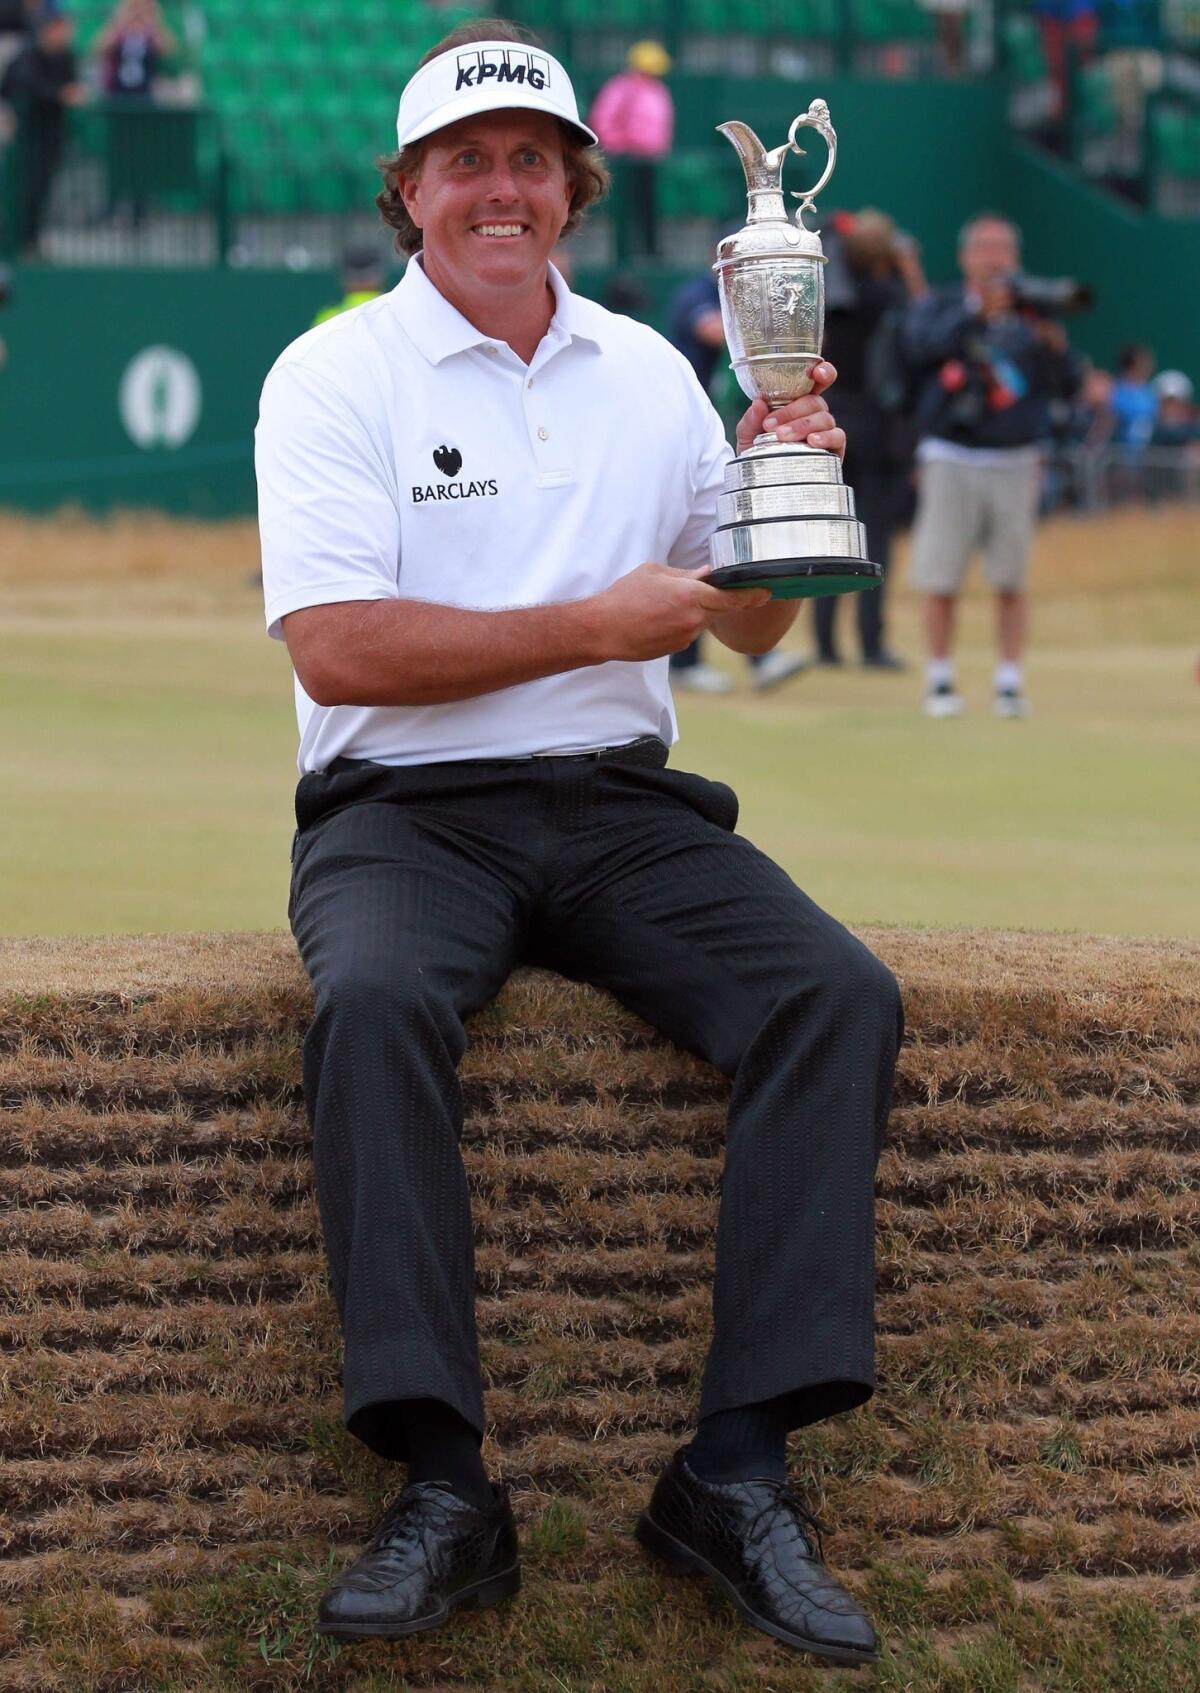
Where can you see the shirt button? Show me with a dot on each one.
(543, 433)
(529, 384)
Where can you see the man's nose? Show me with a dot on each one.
(502, 185)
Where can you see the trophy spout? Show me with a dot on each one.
(763, 171)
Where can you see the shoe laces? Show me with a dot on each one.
(783, 1494)
(401, 1522)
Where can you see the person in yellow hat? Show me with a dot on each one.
(634, 116)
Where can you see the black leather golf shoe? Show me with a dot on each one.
(760, 1546)
(431, 1552)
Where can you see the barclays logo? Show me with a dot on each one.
(449, 462)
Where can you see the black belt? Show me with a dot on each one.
(647, 749)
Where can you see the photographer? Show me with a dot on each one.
(988, 363)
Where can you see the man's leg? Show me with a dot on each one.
(1011, 619)
(1015, 496)
(406, 905)
(948, 527)
(939, 624)
(874, 495)
(697, 931)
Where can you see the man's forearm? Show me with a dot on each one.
(415, 652)
(759, 630)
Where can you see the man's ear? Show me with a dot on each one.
(409, 188)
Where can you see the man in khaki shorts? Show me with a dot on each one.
(985, 374)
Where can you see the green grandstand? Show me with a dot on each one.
(304, 97)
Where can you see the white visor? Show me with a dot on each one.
(485, 76)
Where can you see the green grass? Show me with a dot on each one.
(147, 755)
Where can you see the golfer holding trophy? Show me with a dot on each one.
(457, 482)
(786, 519)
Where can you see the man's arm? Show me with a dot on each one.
(934, 328)
(414, 652)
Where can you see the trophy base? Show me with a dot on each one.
(799, 578)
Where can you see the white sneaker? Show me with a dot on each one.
(776, 667)
(1010, 702)
(702, 679)
(944, 700)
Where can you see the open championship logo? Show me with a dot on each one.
(503, 64)
(159, 398)
(449, 462)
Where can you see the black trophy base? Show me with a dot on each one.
(799, 578)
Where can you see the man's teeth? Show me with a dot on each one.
(500, 229)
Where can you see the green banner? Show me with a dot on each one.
(140, 387)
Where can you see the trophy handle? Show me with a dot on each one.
(816, 117)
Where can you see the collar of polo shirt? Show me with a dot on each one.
(486, 76)
(437, 329)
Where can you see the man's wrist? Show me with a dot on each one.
(590, 630)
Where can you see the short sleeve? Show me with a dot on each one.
(328, 519)
(711, 452)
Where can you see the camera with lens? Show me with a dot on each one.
(1050, 296)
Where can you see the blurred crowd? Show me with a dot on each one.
(967, 411)
(42, 77)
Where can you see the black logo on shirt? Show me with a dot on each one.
(449, 462)
(508, 64)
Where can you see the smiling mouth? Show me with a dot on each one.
(500, 231)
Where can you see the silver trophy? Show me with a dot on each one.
(786, 519)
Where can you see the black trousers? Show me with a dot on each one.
(414, 894)
(878, 494)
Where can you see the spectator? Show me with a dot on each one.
(131, 50)
(634, 117)
(363, 279)
(1069, 29)
(1134, 400)
(16, 24)
(1176, 423)
(696, 329)
(985, 375)
(1175, 471)
(950, 17)
(871, 275)
(41, 83)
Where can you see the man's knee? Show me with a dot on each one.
(850, 987)
(387, 995)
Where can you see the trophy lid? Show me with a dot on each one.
(767, 228)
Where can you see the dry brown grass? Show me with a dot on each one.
(172, 1469)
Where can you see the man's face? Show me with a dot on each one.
(490, 199)
(56, 33)
(989, 253)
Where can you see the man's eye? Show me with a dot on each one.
(529, 157)
(468, 159)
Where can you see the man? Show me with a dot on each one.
(985, 375)
(362, 280)
(872, 273)
(633, 117)
(41, 82)
(457, 483)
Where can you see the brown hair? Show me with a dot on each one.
(585, 165)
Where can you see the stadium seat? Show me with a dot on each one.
(1175, 137)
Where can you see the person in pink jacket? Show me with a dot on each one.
(634, 116)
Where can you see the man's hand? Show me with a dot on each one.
(806, 419)
(657, 610)
(995, 298)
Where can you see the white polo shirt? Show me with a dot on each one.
(403, 454)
